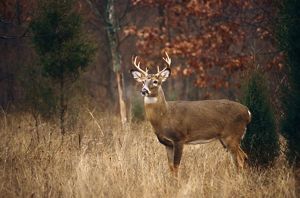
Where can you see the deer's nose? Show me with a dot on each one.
(145, 92)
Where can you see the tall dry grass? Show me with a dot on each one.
(116, 162)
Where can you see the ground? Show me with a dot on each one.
(99, 158)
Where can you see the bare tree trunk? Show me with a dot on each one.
(112, 32)
(121, 100)
(112, 27)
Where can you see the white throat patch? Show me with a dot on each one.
(150, 100)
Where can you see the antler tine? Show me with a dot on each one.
(137, 66)
(167, 59)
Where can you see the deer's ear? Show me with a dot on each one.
(138, 76)
(165, 74)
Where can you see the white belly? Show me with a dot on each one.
(201, 141)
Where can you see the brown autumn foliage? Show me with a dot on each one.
(212, 40)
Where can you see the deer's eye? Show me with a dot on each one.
(155, 82)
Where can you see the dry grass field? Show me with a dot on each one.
(116, 162)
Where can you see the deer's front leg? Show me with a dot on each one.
(178, 149)
(170, 155)
(170, 151)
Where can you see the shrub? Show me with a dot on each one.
(61, 46)
(289, 40)
(261, 140)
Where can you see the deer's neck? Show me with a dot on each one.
(156, 107)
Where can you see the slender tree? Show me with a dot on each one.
(62, 49)
(111, 18)
(112, 32)
(289, 40)
(261, 139)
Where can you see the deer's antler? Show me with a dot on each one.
(138, 67)
(167, 60)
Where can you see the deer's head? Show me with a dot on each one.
(151, 82)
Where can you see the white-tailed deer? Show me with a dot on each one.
(190, 122)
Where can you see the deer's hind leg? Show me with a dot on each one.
(232, 139)
(238, 156)
(223, 144)
(243, 154)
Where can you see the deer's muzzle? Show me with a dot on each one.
(145, 91)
